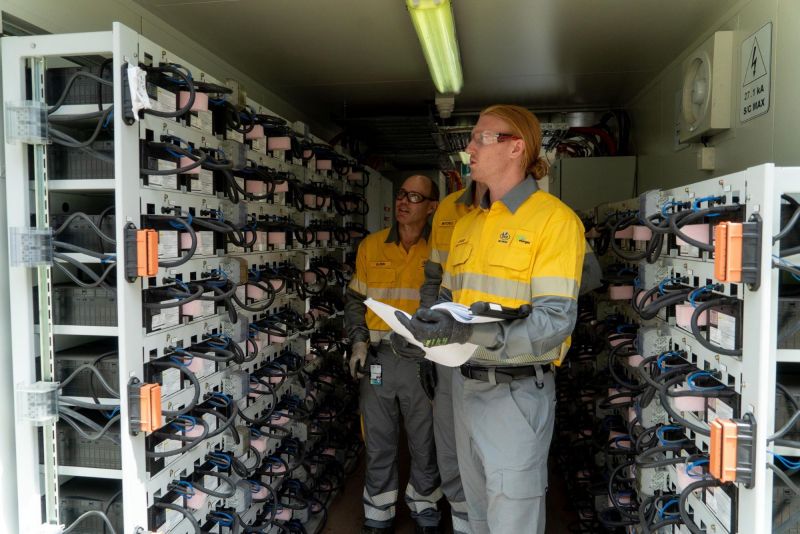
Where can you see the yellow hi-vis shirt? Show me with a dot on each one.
(450, 211)
(526, 248)
(386, 272)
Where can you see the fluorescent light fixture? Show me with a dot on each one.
(433, 21)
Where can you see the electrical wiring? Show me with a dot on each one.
(195, 384)
(183, 294)
(777, 437)
(682, 502)
(87, 515)
(185, 81)
(81, 215)
(191, 442)
(682, 218)
(64, 139)
(98, 280)
(183, 511)
(667, 405)
(72, 418)
(789, 224)
(68, 86)
(216, 492)
(178, 223)
(198, 159)
(713, 303)
(785, 478)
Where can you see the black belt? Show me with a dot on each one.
(502, 375)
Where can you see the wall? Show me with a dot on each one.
(97, 15)
(768, 138)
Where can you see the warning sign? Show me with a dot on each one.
(756, 61)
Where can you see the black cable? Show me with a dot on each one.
(713, 303)
(216, 493)
(192, 248)
(187, 80)
(192, 378)
(687, 520)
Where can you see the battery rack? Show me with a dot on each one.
(179, 257)
(678, 405)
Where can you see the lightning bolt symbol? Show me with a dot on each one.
(754, 60)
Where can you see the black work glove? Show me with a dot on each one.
(426, 370)
(433, 328)
(404, 349)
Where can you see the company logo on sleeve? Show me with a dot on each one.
(505, 237)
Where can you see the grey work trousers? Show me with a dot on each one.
(503, 434)
(446, 456)
(379, 407)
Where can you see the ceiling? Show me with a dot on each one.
(353, 60)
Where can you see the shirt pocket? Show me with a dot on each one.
(515, 256)
(460, 255)
(381, 276)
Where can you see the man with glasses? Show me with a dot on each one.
(389, 268)
(523, 249)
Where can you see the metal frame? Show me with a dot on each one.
(130, 197)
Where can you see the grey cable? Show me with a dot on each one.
(68, 86)
(85, 516)
(788, 481)
(81, 215)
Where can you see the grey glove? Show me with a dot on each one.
(434, 327)
(358, 359)
(404, 349)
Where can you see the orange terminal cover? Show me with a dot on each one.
(729, 450)
(715, 449)
(721, 251)
(733, 265)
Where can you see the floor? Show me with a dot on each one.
(347, 513)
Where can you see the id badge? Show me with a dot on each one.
(375, 375)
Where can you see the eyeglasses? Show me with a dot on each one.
(489, 138)
(412, 196)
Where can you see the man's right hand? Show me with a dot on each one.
(358, 359)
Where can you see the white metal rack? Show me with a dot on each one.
(35, 334)
(753, 375)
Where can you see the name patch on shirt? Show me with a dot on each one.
(461, 241)
(447, 223)
(380, 264)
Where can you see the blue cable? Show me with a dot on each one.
(174, 154)
(790, 264)
(691, 465)
(667, 204)
(110, 415)
(111, 258)
(663, 510)
(698, 374)
(108, 119)
(696, 204)
(186, 359)
(666, 281)
(184, 422)
(179, 225)
(225, 400)
(789, 464)
(189, 488)
(220, 459)
(664, 441)
(699, 291)
(662, 358)
(222, 518)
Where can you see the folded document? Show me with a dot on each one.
(451, 355)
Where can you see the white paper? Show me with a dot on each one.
(451, 355)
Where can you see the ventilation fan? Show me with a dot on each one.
(706, 93)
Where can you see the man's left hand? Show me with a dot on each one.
(433, 328)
